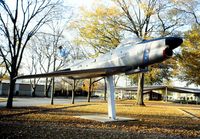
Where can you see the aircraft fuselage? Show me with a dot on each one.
(133, 55)
(129, 58)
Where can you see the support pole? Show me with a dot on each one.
(105, 90)
(73, 91)
(111, 97)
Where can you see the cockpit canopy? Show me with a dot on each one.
(129, 41)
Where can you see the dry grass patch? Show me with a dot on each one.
(195, 112)
(3, 99)
(126, 108)
(149, 111)
(26, 110)
(14, 111)
(100, 108)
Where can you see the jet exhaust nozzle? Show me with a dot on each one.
(173, 42)
(167, 53)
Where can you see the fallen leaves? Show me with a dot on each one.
(157, 119)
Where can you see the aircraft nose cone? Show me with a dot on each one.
(173, 42)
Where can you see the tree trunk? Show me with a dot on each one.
(11, 93)
(33, 88)
(140, 101)
(13, 74)
(89, 91)
(33, 91)
(67, 89)
(52, 90)
(46, 88)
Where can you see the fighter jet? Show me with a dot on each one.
(129, 58)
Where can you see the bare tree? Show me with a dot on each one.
(73, 83)
(91, 87)
(137, 17)
(169, 18)
(45, 56)
(47, 49)
(18, 24)
(75, 54)
(33, 65)
(58, 44)
(189, 10)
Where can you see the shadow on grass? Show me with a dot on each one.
(32, 110)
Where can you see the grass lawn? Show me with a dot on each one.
(3, 99)
(155, 120)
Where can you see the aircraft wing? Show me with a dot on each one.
(79, 74)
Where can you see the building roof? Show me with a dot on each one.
(162, 87)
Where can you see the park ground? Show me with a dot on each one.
(155, 120)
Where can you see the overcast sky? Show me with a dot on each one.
(79, 3)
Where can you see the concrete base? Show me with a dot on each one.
(104, 118)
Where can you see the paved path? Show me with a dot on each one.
(28, 101)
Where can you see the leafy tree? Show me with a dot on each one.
(142, 18)
(158, 73)
(97, 28)
(3, 72)
(106, 25)
(19, 21)
(189, 60)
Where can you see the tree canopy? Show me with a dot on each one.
(189, 60)
(97, 29)
(104, 27)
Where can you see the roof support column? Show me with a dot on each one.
(111, 97)
(73, 91)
